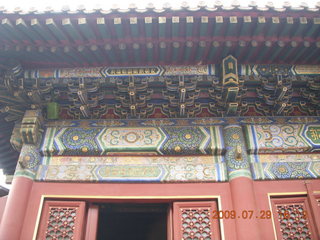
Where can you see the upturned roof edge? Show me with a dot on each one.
(184, 6)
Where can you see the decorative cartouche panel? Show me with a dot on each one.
(283, 138)
(124, 168)
(132, 140)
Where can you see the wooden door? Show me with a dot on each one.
(194, 221)
(292, 218)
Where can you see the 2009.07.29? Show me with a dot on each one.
(245, 214)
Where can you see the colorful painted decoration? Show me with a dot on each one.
(29, 161)
(143, 140)
(312, 133)
(96, 72)
(236, 157)
(281, 138)
(157, 150)
(131, 71)
(150, 92)
(125, 168)
(264, 70)
(274, 166)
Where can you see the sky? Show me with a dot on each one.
(2, 180)
(106, 4)
(123, 4)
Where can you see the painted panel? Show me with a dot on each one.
(236, 158)
(98, 72)
(283, 138)
(277, 69)
(206, 122)
(137, 140)
(285, 166)
(181, 122)
(128, 139)
(119, 169)
(28, 162)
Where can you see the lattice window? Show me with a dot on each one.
(61, 220)
(194, 221)
(293, 219)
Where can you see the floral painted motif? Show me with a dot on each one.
(78, 141)
(277, 139)
(236, 156)
(139, 169)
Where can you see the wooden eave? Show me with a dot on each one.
(141, 37)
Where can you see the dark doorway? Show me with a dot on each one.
(132, 221)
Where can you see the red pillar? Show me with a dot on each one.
(243, 200)
(16, 206)
(241, 184)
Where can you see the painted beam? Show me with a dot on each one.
(56, 31)
(134, 27)
(259, 32)
(86, 30)
(118, 27)
(7, 24)
(103, 28)
(287, 27)
(42, 31)
(71, 31)
(204, 26)
(273, 28)
(246, 28)
(148, 27)
(23, 27)
(148, 140)
(301, 28)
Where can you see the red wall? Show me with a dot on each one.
(179, 190)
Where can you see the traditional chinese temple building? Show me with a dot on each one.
(161, 124)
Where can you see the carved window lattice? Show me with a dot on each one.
(194, 221)
(293, 219)
(61, 223)
(196, 224)
(61, 220)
